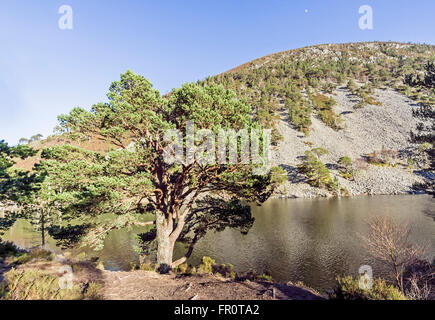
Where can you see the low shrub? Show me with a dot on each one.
(331, 119)
(40, 253)
(308, 143)
(252, 275)
(372, 101)
(22, 259)
(347, 176)
(226, 270)
(359, 105)
(321, 101)
(92, 291)
(299, 115)
(351, 86)
(147, 267)
(9, 249)
(182, 268)
(329, 87)
(265, 277)
(206, 265)
(316, 171)
(419, 280)
(348, 288)
(382, 157)
(424, 146)
(34, 254)
(324, 105)
(346, 167)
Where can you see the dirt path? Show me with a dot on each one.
(147, 285)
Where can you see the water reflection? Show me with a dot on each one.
(295, 240)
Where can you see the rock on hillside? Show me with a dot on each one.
(289, 93)
(365, 130)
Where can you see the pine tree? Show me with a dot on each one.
(132, 177)
(16, 186)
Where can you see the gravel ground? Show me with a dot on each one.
(146, 285)
(365, 130)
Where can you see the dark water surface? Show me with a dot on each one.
(294, 239)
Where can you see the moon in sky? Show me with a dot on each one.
(306, 10)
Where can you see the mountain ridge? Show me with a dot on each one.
(237, 68)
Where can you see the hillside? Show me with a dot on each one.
(349, 99)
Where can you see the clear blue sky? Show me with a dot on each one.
(46, 71)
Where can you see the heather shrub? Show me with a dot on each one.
(92, 292)
(206, 265)
(252, 275)
(182, 268)
(348, 288)
(147, 267)
(371, 100)
(321, 101)
(424, 146)
(346, 168)
(324, 105)
(21, 256)
(328, 87)
(383, 156)
(9, 249)
(351, 86)
(226, 270)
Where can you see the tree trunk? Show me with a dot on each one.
(42, 230)
(165, 245)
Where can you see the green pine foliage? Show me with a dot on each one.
(15, 185)
(132, 179)
(279, 77)
(346, 169)
(324, 106)
(317, 173)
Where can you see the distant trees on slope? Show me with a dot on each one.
(289, 79)
(425, 131)
(36, 137)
